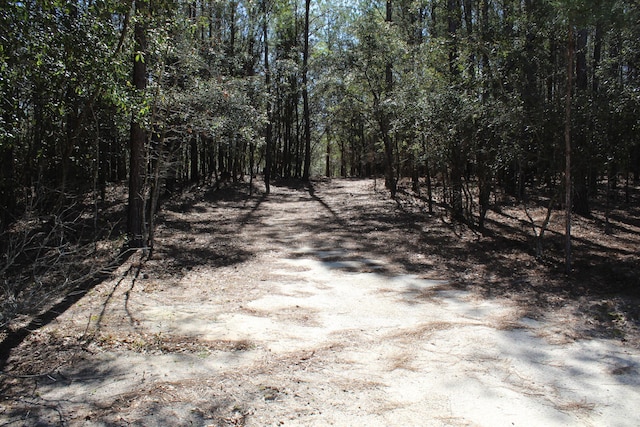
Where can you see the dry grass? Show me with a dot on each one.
(421, 332)
(574, 406)
(404, 361)
(167, 343)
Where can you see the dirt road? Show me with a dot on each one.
(310, 307)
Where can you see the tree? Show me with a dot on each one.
(470, 97)
(138, 138)
(567, 154)
(305, 95)
(389, 172)
(455, 148)
(267, 82)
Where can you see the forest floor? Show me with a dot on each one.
(331, 304)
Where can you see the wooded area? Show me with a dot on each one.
(473, 101)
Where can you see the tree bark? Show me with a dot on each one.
(305, 97)
(389, 173)
(138, 137)
(483, 164)
(327, 170)
(267, 82)
(195, 176)
(581, 165)
(7, 186)
(567, 153)
(453, 21)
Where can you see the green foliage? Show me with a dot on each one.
(481, 84)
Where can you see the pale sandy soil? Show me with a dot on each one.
(294, 309)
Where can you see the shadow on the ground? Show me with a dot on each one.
(15, 337)
(499, 262)
(153, 400)
(369, 227)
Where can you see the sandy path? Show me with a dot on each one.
(314, 328)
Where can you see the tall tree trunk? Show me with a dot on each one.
(484, 166)
(7, 185)
(597, 56)
(138, 136)
(8, 181)
(305, 97)
(453, 21)
(195, 176)
(343, 160)
(581, 165)
(251, 166)
(429, 185)
(267, 82)
(102, 165)
(70, 140)
(157, 171)
(299, 155)
(467, 6)
(532, 116)
(231, 48)
(327, 170)
(567, 152)
(389, 173)
(72, 120)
